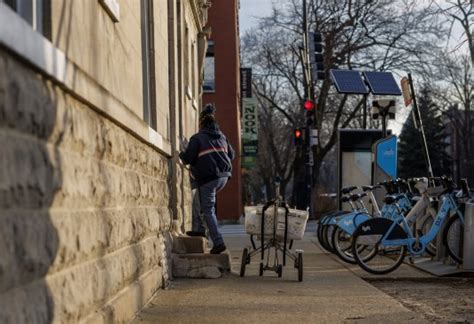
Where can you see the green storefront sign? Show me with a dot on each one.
(249, 132)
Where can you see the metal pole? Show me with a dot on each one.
(421, 129)
(309, 94)
(306, 52)
(384, 125)
(364, 122)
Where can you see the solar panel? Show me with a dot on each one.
(348, 81)
(382, 83)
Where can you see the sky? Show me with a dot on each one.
(250, 9)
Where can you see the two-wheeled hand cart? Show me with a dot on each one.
(276, 226)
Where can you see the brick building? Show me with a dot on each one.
(94, 97)
(222, 87)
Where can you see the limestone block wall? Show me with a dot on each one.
(84, 208)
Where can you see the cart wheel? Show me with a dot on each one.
(244, 262)
(279, 270)
(300, 266)
(261, 269)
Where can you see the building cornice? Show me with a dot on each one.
(200, 9)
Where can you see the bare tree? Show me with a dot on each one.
(452, 76)
(375, 35)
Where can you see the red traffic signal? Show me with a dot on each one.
(308, 105)
(298, 133)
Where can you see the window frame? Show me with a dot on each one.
(148, 63)
(210, 54)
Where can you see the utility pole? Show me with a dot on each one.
(309, 95)
(419, 125)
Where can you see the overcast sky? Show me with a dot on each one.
(249, 9)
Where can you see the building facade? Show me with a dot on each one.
(222, 88)
(94, 97)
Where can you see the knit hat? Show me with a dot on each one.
(207, 116)
(210, 109)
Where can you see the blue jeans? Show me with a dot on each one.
(206, 196)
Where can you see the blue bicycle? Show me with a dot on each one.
(346, 224)
(379, 245)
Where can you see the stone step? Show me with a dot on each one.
(189, 244)
(201, 265)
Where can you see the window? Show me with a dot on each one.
(187, 59)
(33, 11)
(193, 70)
(148, 63)
(209, 69)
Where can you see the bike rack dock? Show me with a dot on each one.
(440, 265)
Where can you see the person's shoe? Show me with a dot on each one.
(218, 249)
(193, 233)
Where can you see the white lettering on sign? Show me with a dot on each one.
(249, 119)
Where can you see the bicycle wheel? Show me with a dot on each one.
(452, 237)
(376, 258)
(342, 243)
(320, 233)
(300, 266)
(327, 234)
(243, 262)
(425, 228)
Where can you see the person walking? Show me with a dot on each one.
(209, 154)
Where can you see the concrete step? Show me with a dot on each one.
(201, 265)
(189, 244)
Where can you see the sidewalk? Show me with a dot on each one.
(329, 293)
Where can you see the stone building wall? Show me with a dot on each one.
(89, 193)
(84, 208)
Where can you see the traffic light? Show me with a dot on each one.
(298, 136)
(308, 105)
(316, 55)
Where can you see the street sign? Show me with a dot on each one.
(249, 131)
(383, 107)
(313, 140)
(405, 83)
(246, 82)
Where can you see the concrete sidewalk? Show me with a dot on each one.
(329, 293)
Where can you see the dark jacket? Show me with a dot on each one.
(209, 153)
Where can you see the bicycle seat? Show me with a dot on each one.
(348, 190)
(344, 199)
(355, 197)
(370, 188)
(391, 199)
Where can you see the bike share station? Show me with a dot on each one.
(369, 156)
